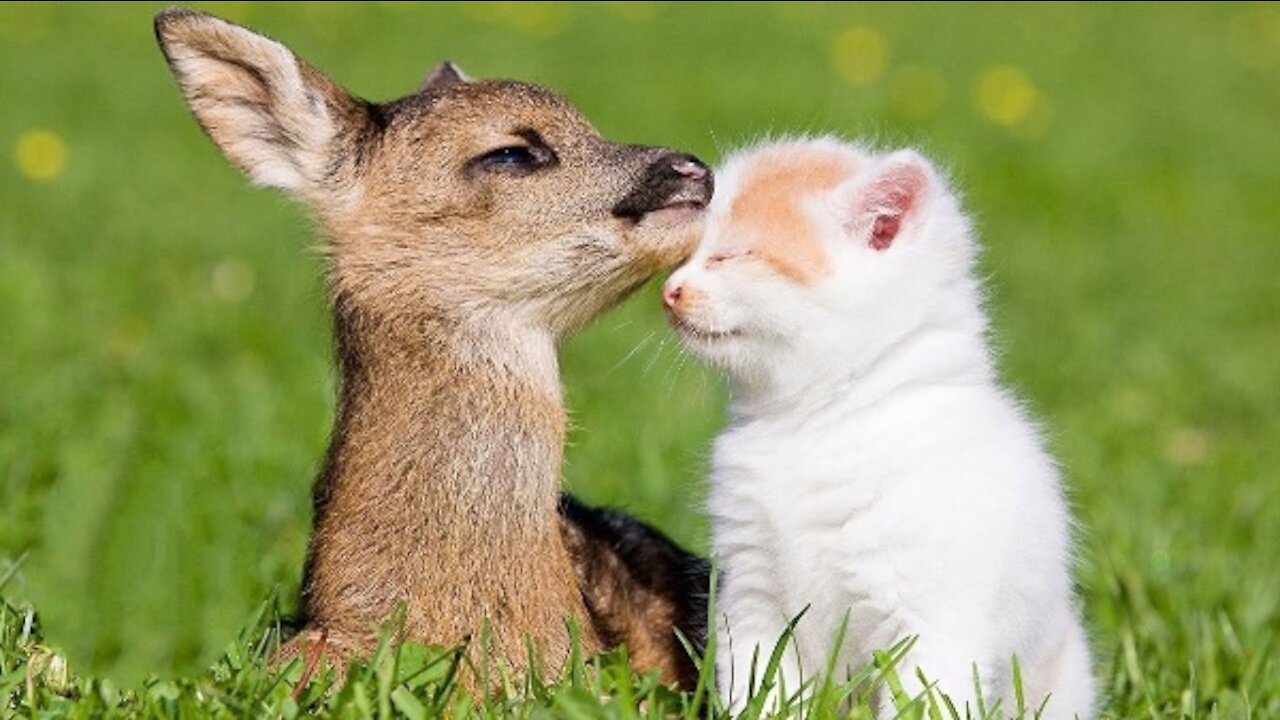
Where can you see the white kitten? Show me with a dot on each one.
(874, 467)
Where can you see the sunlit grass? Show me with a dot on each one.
(166, 385)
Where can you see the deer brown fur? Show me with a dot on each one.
(470, 227)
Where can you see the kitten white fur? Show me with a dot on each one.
(874, 467)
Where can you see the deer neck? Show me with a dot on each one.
(442, 478)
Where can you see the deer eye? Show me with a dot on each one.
(513, 156)
(517, 159)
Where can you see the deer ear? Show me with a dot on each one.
(273, 116)
(883, 204)
(442, 76)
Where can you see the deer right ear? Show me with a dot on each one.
(273, 116)
(442, 76)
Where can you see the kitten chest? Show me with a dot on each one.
(809, 511)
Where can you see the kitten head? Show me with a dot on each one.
(819, 256)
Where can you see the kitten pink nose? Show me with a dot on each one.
(671, 294)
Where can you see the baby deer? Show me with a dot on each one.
(470, 227)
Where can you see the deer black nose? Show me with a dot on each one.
(690, 167)
(672, 180)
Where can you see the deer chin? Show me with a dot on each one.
(680, 213)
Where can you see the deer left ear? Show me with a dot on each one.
(887, 201)
(275, 117)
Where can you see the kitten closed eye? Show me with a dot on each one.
(721, 258)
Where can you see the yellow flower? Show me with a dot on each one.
(859, 55)
(539, 19)
(1254, 37)
(41, 155)
(1007, 97)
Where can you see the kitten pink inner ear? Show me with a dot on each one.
(887, 200)
(884, 230)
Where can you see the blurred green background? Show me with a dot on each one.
(166, 386)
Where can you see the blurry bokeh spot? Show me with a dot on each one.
(1187, 446)
(1007, 96)
(41, 155)
(1255, 37)
(231, 281)
(859, 55)
(539, 19)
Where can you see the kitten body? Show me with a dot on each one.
(874, 472)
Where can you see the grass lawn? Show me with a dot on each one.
(166, 386)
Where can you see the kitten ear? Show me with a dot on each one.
(442, 76)
(892, 196)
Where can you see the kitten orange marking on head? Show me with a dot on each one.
(768, 217)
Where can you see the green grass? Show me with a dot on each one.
(166, 384)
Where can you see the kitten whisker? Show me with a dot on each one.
(644, 341)
(653, 358)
